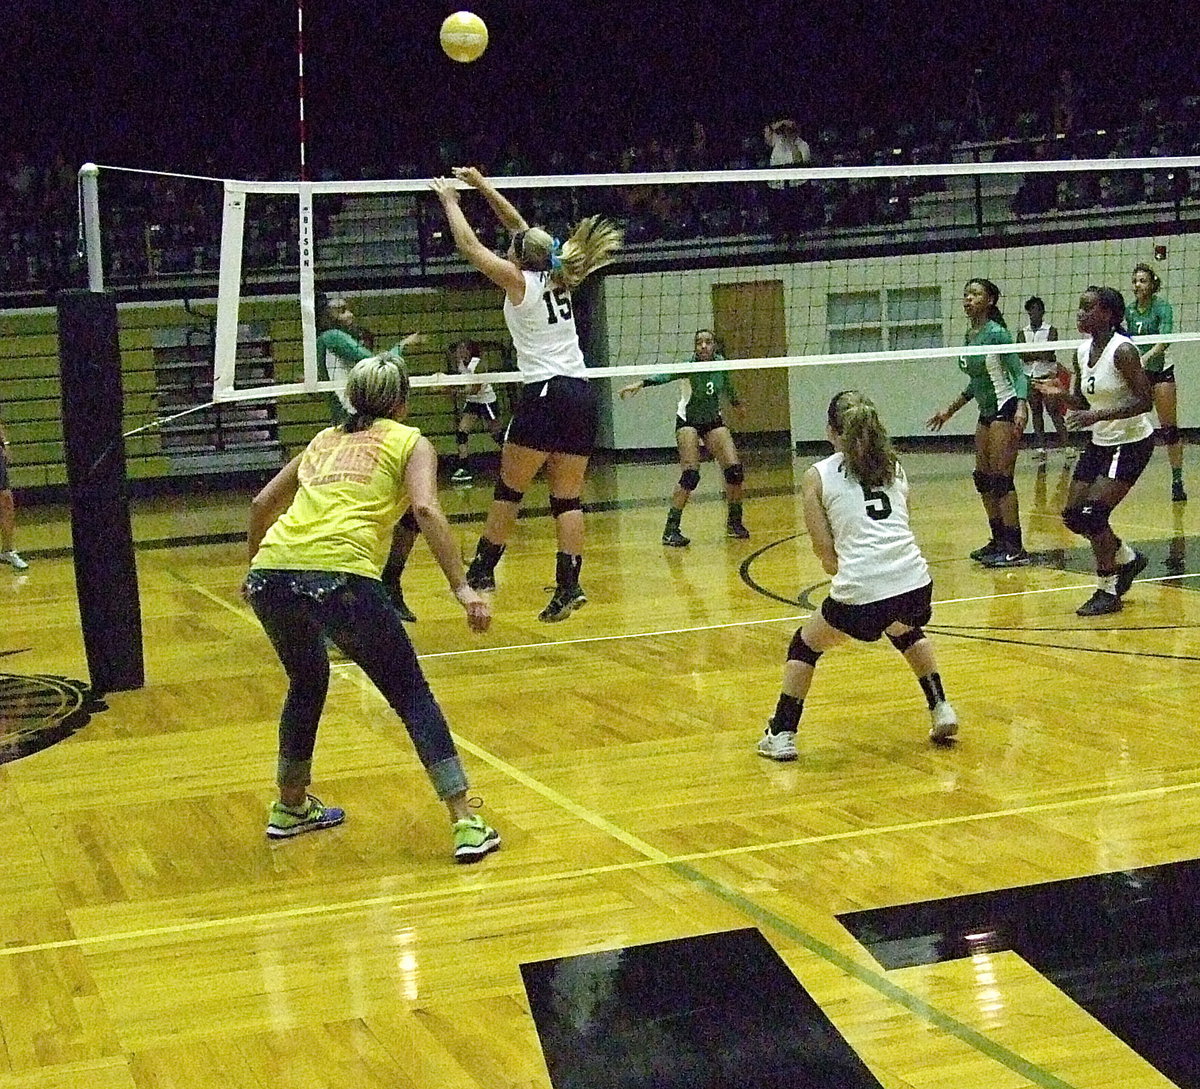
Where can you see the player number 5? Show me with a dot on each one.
(879, 506)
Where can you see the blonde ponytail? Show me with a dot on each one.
(591, 246)
(865, 443)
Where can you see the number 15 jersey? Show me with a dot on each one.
(542, 327)
(877, 554)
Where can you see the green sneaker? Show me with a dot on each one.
(473, 839)
(285, 821)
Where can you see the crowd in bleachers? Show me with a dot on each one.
(158, 226)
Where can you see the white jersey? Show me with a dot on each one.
(877, 554)
(486, 394)
(543, 332)
(1105, 388)
(1039, 368)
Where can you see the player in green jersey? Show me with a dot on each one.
(1147, 315)
(998, 385)
(699, 421)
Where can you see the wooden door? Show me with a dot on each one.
(749, 322)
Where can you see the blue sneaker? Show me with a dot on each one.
(285, 822)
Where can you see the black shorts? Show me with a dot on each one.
(702, 429)
(1125, 462)
(867, 623)
(3, 470)
(1007, 412)
(1167, 374)
(484, 410)
(557, 416)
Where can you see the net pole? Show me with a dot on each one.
(300, 89)
(89, 189)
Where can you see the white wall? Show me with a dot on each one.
(651, 318)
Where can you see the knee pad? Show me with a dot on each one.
(561, 506)
(1088, 519)
(908, 639)
(409, 521)
(1002, 485)
(506, 494)
(800, 651)
(689, 479)
(983, 482)
(461, 437)
(1169, 435)
(735, 474)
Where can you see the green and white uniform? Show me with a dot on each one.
(1160, 318)
(337, 352)
(993, 379)
(700, 402)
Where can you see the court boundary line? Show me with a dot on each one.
(248, 616)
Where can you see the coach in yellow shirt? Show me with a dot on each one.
(319, 536)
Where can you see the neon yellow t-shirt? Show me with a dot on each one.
(351, 495)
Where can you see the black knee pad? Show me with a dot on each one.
(1002, 485)
(506, 494)
(800, 651)
(461, 437)
(1088, 519)
(1169, 435)
(908, 639)
(689, 479)
(561, 506)
(409, 521)
(735, 474)
(983, 482)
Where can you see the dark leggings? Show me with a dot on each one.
(297, 609)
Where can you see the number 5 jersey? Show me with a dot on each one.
(877, 554)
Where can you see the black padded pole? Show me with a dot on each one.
(101, 532)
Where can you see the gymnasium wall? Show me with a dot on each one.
(30, 397)
(907, 393)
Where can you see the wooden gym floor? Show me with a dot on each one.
(153, 938)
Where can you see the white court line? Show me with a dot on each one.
(247, 615)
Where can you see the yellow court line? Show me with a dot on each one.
(654, 858)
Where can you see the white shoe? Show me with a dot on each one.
(781, 746)
(1070, 454)
(944, 722)
(14, 560)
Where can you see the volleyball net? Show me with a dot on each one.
(805, 269)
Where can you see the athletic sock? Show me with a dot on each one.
(931, 685)
(566, 570)
(787, 714)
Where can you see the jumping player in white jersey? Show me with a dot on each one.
(555, 422)
(856, 511)
(1111, 395)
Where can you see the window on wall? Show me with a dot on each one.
(890, 319)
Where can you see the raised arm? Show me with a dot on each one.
(505, 212)
(501, 272)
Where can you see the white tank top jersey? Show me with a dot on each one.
(1105, 388)
(486, 394)
(877, 554)
(543, 332)
(1038, 368)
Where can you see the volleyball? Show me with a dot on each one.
(464, 36)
